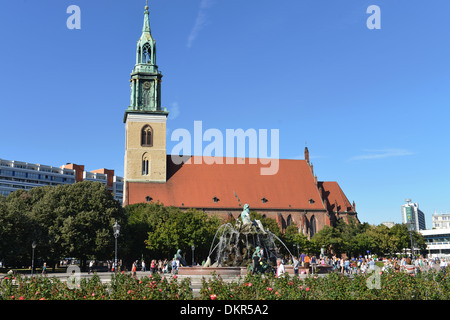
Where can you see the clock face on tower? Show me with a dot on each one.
(147, 85)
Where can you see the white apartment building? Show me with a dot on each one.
(16, 175)
(441, 220)
(438, 243)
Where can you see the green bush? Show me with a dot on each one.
(121, 287)
(334, 286)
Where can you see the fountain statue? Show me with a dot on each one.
(238, 244)
(180, 258)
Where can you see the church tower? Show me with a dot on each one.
(145, 121)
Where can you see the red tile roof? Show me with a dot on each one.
(335, 197)
(196, 185)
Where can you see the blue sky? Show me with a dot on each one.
(372, 105)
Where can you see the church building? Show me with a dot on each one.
(292, 196)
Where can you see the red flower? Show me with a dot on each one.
(213, 297)
(307, 289)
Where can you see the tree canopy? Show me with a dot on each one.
(65, 221)
(157, 231)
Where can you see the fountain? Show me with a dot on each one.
(234, 247)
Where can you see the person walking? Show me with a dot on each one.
(160, 266)
(174, 266)
(152, 266)
(347, 266)
(313, 264)
(307, 262)
(295, 265)
(302, 259)
(133, 269)
(143, 266)
(44, 269)
(280, 268)
(91, 266)
(443, 265)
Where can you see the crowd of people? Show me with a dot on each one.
(156, 266)
(305, 263)
(357, 265)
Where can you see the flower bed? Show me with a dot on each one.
(121, 287)
(334, 286)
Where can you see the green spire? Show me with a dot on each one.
(146, 31)
(146, 27)
(145, 77)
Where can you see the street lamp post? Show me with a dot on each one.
(116, 229)
(410, 227)
(33, 246)
(193, 248)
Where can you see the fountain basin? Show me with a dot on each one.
(222, 271)
(241, 271)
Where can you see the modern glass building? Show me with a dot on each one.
(411, 213)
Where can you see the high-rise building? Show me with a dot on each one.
(16, 175)
(412, 213)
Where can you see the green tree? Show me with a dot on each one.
(168, 229)
(86, 212)
(65, 221)
(17, 229)
(296, 241)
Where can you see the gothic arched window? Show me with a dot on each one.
(289, 220)
(147, 136)
(312, 227)
(145, 164)
(146, 53)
